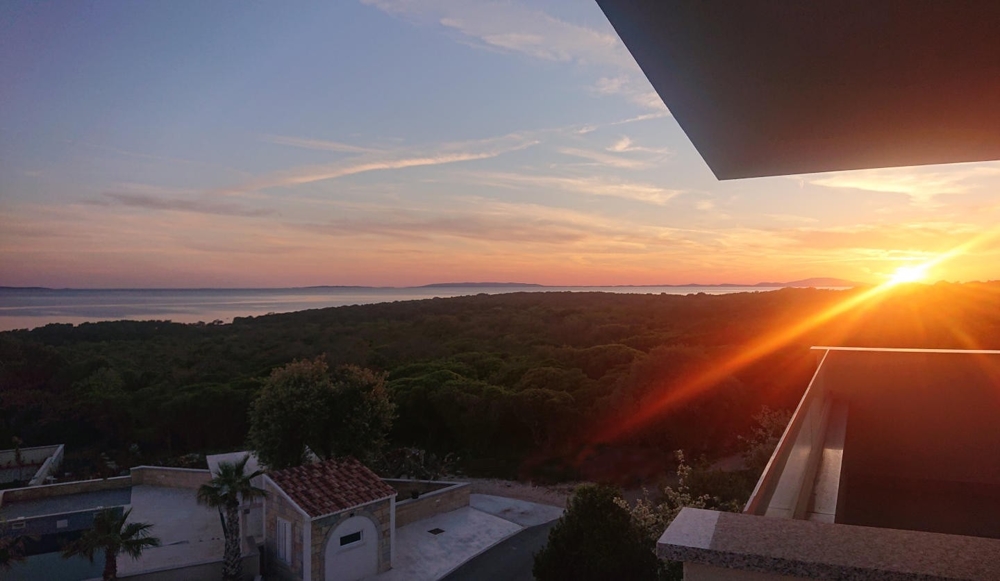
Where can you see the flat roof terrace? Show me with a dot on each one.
(189, 533)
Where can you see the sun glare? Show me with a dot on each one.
(906, 274)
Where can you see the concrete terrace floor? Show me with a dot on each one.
(189, 533)
(468, 531)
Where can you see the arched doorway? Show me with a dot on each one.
(352, 550)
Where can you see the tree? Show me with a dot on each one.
(758, 447)
(11, 547)
(595, 540)
(653, 518)
(303, 407)
(112, 534)
(231, 486)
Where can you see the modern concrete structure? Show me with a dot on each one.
(775, 87)
(889, 469)
(325, 520)
(32, 466)
(191, 534)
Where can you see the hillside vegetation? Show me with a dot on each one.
(520, 384)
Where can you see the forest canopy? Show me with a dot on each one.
(514, 384)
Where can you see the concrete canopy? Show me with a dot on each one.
(777, 87)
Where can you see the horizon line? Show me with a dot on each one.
(471, 284)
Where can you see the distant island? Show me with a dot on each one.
(813, 282)
(478, 285)
(804, 283)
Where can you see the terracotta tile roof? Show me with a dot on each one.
(331, 486)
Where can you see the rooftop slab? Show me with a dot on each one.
(468, 532)
(189, 532)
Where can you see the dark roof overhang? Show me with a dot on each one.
(776, 87)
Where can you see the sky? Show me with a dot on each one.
(402, 142)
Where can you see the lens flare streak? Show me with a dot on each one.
(685, 390)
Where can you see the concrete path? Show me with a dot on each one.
(510, 560)
(468, 532)
(526, 514)
(424, 556)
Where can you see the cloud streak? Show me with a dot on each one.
(591, 186)
(447, 154)
(499, 224)
(625, 144)
(920, 183)
(636, 91)
(317, 144)
(601, 158)
(513, 28)
(918, 237)
(198, 206)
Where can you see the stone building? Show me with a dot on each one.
(332, 520)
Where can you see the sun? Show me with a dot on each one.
(906, 274)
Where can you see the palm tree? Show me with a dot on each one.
(112, 534)
(11, 551)
(231, 486)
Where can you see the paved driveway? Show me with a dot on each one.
(510, 560)
(506, 528)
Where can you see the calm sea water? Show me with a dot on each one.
(30, 308)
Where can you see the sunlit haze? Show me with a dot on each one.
(386, 142)
(905, 274)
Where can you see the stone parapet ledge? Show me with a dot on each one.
(817, 550)
(170, 477)
(63, 489)
(452, 496)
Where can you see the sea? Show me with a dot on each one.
(27, 308)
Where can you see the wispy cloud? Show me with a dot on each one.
(902, 237)
(920, 183)
(474, 219)
(625, 144)
(601, 158)
(591, 186)
(634, 88)
(387, 160)
(514, 28)
(644, 117)
(792, 218)
(317, 144)
(176, 204)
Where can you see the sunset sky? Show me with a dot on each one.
(394, 142)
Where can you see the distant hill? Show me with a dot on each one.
(812, 282)
(804, 283)
(479, 285)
